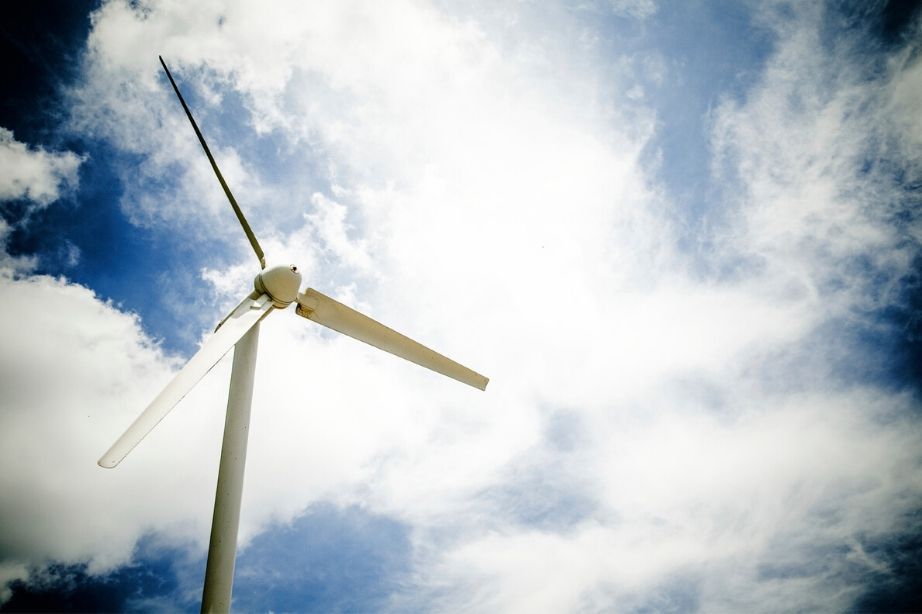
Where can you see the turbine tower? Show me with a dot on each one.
(275, 288)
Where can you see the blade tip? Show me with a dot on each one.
(107, 463)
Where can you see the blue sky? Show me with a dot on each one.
(681, 238)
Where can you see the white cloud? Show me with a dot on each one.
(723, 500)
(34, 174)
(329, 222)
(813, 148)
(74, 371)
(497, 210)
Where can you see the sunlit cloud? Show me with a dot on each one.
(33, 174)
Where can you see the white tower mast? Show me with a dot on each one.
(222, 549)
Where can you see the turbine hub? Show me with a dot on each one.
(281, 283)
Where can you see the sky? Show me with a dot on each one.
(681, 238)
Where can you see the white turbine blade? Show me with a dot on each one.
(323, 310)
(214, 165)
(242, 319)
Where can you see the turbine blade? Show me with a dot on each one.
(323, 310)
(214, 165)
(242, 319)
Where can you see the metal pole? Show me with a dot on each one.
(222, 550)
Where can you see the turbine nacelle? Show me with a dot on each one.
(281, 283)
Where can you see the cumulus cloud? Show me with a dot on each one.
(682, 433)
(34, 174)
(72, 366)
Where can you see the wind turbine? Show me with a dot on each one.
(275, 288)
